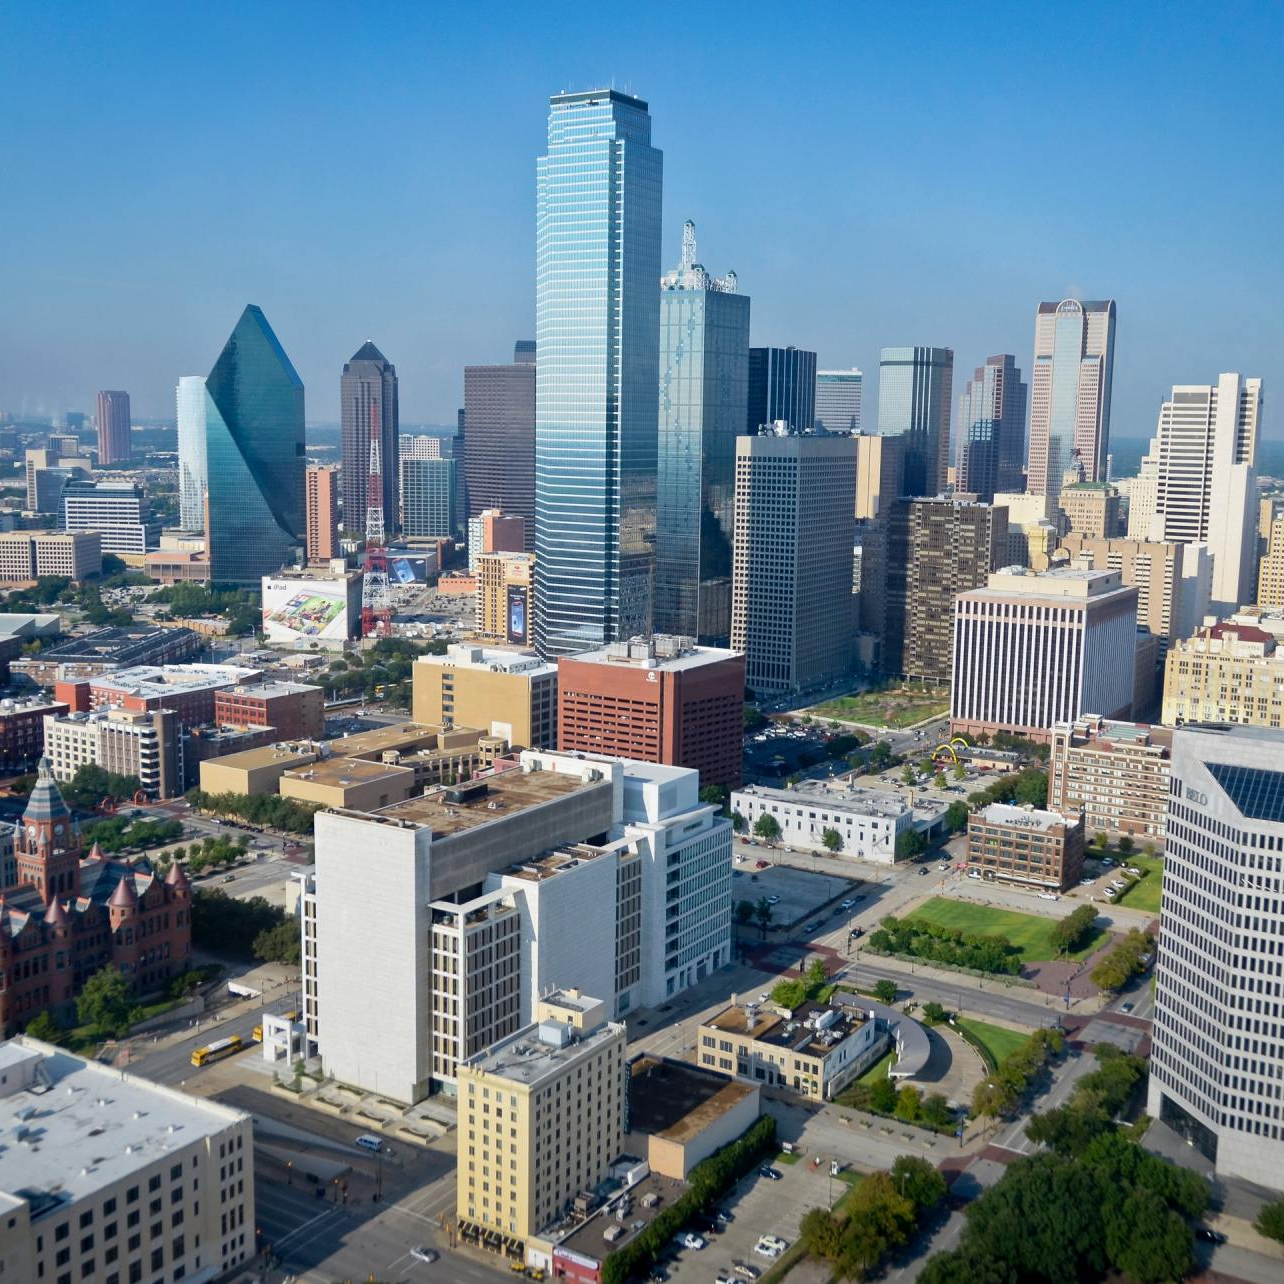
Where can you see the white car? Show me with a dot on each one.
(1049, 896)
(773, 900)
(689, 1239)
(972, 873)
(770, 1246)
(846, 905)
(422, 1254)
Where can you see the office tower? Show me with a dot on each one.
(254, 456)
(838, 394)
(1032, 537)
(567, 1065)
(1074, 357)
(322, 483)
(914, 391)
(507, 693)
(368, 392)
(782, 389)
(1140, 494)
(1173, 581)
(499, 454)
(428, 502)
(113, 428)
(597, 322)
(1218, 1051)
(190, 401)
(1226, 672)
(64, 443)
(1206, 493)
(1026, 845)
(658, 699)
(991, 435)
(504, 598)
(704, 371)
(1090, 508)
(1115, 773)
(791, 600)
(1270, 571)
(1034, 650)
(936, 549)
(880, 469)
(46, 474)
(426, 446)
(30, 555)
(119, 511)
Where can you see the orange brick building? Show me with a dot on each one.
(296, 710)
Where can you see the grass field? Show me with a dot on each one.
(1029, 933)
(999, 1042)
(892, 709)
(1144, 894)
(878, 1070)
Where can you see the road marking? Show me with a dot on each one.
(294, 1234)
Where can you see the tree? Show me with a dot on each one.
(908, 1100)
(918, 1181)
(832, 839)
(44, 1026)
(885, 991)
(1074, 929)
(960, 771)
(1126, 844)
(936, 1111)
(1147, 1240)
(1032, 787)
(763, 913)
(789, 994)
(910, 843)
(880, 754)
(882, 1095)
(940, 782)
(933, 1013)
(714, 794)
(1270, 1221)
(753, 718)
(816, 976)
(821, 1234)
(744, 913)
(908, 776)
(956, 815)
(107, 1003)
(279, 944)
(738, 822)
(767, 827)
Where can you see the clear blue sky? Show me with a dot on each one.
(876, 174)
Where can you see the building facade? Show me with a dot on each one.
(1270, 570)
(1034, 650)
(118, 511)
(28, 555)
(838, 397)
(1026, 845)
(1226, 672)
(504, 597)
(990, 453)
(915, 387)
(192, 470)
(322, 501)
(597, 321)
(254, 456)
(428, 498)
(295, 709)
(880, 470)
(148, 746)
(503, 692)
(114, 446)
(1091, 509)
(1218, 1035)
(1074, 360)
(656, 699)
(781, 389)
(1113, 773)
(22, 732)
(368, 395)
(499, 454)
(791, 604)
(704, 371)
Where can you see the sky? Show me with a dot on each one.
(875, 174)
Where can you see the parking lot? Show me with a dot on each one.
(799, 894)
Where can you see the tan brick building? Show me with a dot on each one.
(1225, 673)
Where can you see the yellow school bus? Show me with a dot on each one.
(214, 1051)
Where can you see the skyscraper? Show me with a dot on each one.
(254, 455)
(914, 390)
(322, 482)
(838, 394)
(190, 398)
(1218, 1052)
(368, 389)
(991, 437)
(1205, 489)
(428, 500)
(1074, 359)
(597, 323)
(499, 450)
(782, 387)
(113, 428)
(704, 363)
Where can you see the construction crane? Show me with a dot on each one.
(376, 597)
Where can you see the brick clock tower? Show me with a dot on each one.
(46, 842)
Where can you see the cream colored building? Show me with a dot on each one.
(879, 465)
(27, 555)
(506, 693)
(1032, 534)
(355, 783)
(1091, 508)
(1270, 570)
(106, 1177)
(1225, 673)
(505, 596)
(541, 1118)
(256, 771)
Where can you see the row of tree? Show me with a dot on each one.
(92, 785)
(881, 1214)
(937, 943)
(270, 810)
(116, 833)
(1125, 961)
(1029, 786)
(242, 608)
(210, 853)
(243, 928)
(1001, 1092)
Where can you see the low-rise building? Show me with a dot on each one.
(177, 566)
(295, 709)
(256, 771)
(1114, 773)
(148, 746)
(1091, 508)
(108, 1177)
(1026, 845)
(541, 1118)
(200, 744)
(189, 690)
(1225, 673)
(22, 731)
(815, 1050)
(28, 555)
(109, 649)
(506, 693)
(359, 784)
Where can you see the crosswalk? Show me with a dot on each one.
(284, 1213)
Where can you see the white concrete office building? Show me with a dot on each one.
(1218, 1055)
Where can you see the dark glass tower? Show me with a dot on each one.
(254, 455)
(369, 388)
(914, 403)
(991, 447)
(499, 452)
(782, 386)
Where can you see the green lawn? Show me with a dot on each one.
(878, 1070)
(1144, 893)
(1029, 933)
(998, 1041)
(893, 709)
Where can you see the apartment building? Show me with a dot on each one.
(541, 1118)
(1026, 845)
(1034, 650)
(1225, 673)
(1114, 773)
(166, 1194)
(148, 746)
(815, 1050)
(656, 699)
(1218, 1050)
(28, 555)
(505, 594)
(322, 509)
(507, 693)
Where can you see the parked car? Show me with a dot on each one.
(229, 878)
(974, 873)
(773, 900)
(856, 932)
(922, 871)
(770, 1173)
(770, 1246)
(1209, 1236)
(723, 1217)
(762, 864)
(1126, 1007)
(1049, 896)
(745, 1271)
(689, 1239)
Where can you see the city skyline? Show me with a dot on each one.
(871, 296)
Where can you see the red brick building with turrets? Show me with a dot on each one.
(68, 915)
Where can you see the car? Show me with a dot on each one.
(723, 1217)
(846, 905)
(1049, 896)
(856, 932)
(229, 878)
(974, 873)
(944, 865)
(770, 1245)
(922, 871)
(773, 900)
(1087, 882)
(724, 1277)
(770, 1173)
(1209, 1236)
(422, 1254)
(1133, 870)
(762, 864)
(367, 1141)
(689, 1239)
(739, 859)
(812, 927)
(859, 897)
(1126, 1007)
(745, 1271)
(1105, 860)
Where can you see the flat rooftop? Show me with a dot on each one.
(112, 642)
(270, 690)
(642, 1203)
(93, 1126)
(165, 679)
(677, 1101)
(526, 1059)
(346, 771)
(462, 655)
(287, 753)
(397, 735)
(667, 654)
(1074, 582)
(854, 798)
(1022, 817)
(560, 861)
(797, 1032)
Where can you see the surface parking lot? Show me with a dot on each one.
(803, 894)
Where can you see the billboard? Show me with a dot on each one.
(518, 613)
(407, 569)
(298, 611)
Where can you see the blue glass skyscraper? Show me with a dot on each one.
(704, 366)
(991, 438)
(914, 390)
(253, 455)
(597, 328)
(782, 389)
